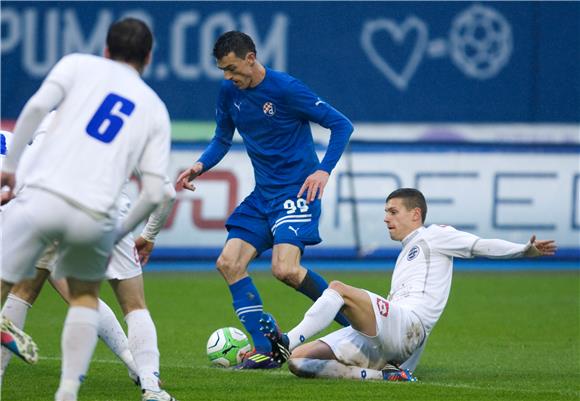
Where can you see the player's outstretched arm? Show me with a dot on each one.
(185, 179)
(501, 249)
(540, 248)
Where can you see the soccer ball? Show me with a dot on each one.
(227, 346)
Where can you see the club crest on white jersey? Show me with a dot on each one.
(413, 253)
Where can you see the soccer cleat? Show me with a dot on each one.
(17, 341)
(255, 360)
(394, 374)
(280, 342)
(161, 395)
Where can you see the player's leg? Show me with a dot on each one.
(248, 236)
(354, 302)
(21, 245)
(79, 336)
(317, 359)
(247, 303)
(85, 245)
(126, 278)
(142, 334)
(294, 225)
(19, 301)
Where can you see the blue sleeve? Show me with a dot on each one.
(224, 132)
(310, 107)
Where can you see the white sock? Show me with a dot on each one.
(305, 367)
(143, 346)
(79, 338)
(112, 334)
(16, 310)
(317, 318)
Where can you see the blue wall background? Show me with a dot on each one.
(375, 61)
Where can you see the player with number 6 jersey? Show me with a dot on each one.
(108, 122)
(272, 112)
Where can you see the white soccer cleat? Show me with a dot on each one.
(161, 395)
(17, 341)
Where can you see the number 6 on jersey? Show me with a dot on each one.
(107, 122)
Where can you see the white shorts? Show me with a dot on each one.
(399, 334)
(124, 262)
(35, 219)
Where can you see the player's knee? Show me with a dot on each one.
(299, 368)
(227, 265)
(294, 366)
(337, 286)
(286, 272)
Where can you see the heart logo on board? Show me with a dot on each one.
(398, 32)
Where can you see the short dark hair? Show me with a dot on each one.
(233, 41)
(412, 198)
(130, 40)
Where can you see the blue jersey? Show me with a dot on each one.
(273, 120)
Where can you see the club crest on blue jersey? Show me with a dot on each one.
(413, 253)
(269, 109)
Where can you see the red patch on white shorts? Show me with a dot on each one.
(383, 307)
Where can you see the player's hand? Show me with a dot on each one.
(185, 179)
(7, 183)
(314, 185)
(144, 249)
(540, 248)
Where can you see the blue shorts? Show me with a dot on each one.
(283, 220)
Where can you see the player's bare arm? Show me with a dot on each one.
(314, 184)
(185, 179)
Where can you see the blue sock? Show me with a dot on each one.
(248, 307)
(313, 286)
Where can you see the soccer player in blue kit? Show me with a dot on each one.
(271, 110)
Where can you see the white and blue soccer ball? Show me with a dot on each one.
(227, 346)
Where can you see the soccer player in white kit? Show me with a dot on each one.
(108, 123)
(124, 272)
(388, 334)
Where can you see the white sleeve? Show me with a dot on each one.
(150, 197)
(155, 157)
(451, 242)
(48, 96)
(52, 91)
(499, 249)
(159, 216)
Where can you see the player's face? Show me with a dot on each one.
(239, 71)
(400, 220)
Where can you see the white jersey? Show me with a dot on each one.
(109, 123)
(422, 275)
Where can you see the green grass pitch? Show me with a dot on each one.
(503, 336)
